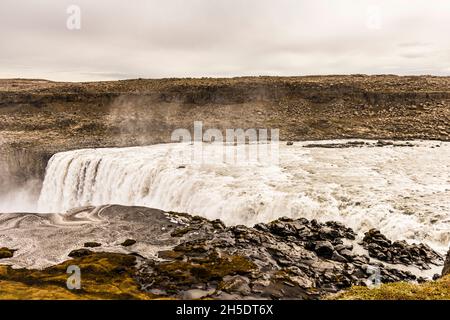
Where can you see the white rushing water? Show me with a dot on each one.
(403, 191)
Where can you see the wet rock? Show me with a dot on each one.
(382, 143)
(347, 254)
(324, 249)
(128, 242)
(182, 231)
(236, 284)
(6, 253)
(446, 269)
(92, 244)
(78, 253)
(337, 257)
(399, 252)
(286, 258)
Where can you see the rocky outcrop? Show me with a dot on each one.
(446, 270)
(173, 255)
(6, 253)
(399, 252)
(294, 259)
(103, 276)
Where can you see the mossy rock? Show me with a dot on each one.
(210, 268)
(431, 290)
(6, 253)
(78, 253)
(103, 276)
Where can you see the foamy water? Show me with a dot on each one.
(403, 191)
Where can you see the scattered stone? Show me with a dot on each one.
(399, 252)
(78, 253)
(128, 243)
(286, 258)
(290, 143)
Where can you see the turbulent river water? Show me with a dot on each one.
(403, 191)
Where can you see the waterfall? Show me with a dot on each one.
(403, 191)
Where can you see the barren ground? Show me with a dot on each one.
(39, 117)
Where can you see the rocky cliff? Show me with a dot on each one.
(39, 118)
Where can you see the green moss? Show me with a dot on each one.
(432, 290)
(103, 276)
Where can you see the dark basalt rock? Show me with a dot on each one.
(324, 249)
(128, 243)
(92, 244)
(399, 252)
(6, 253)
(355, 144)
(283, 259)
(446, 269)
(78, 253)
(290, 259)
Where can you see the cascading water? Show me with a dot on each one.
(403, 191)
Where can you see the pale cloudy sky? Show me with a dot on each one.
(121, 39)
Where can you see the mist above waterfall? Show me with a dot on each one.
(20, 199)
(402, 191)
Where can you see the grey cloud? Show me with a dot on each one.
(178, 38)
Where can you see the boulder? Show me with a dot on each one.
(92, 244)
(324, 249)
(128, 242)
(78, 253)
(446, 269)
(6, 253)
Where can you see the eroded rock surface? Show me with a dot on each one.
(181, 256)
(399, 252)
(289, 259)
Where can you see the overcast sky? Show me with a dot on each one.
(121, 39)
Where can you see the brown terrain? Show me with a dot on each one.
(39, 118)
